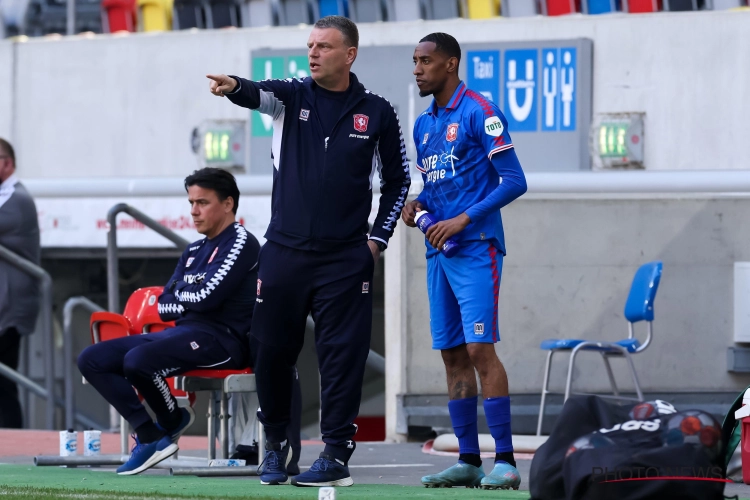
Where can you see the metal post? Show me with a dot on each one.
(71, 27)
(48, 343)
(113, 286)
(68, 309)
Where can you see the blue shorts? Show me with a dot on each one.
(463, 293)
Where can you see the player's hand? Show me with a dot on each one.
(375, 250)
(409, 211)
(438, 234)
(221, 84)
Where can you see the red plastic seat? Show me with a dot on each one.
(563, 7)
(216, 373)
(643, 6)
(121, 14)
(107, 326)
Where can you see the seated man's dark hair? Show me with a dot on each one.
(217, 179)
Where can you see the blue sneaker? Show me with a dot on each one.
(146, 455)
(188, 417)
(325, 471)
(273, 468)
(503, 477)
(461, 474)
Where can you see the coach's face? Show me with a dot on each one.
(208, 212)
(328, 55)
(431, 68)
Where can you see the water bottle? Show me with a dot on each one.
(68, 443)
(425, 221)
(92, 443)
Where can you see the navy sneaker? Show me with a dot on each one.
(146, 455)
(273, 468)
(326, 471)
(188, 417)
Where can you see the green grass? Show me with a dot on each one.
(29, 482)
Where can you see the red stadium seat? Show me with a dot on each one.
(641, 6)
(121, 14)
(562, 7)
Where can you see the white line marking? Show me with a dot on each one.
(383, 466)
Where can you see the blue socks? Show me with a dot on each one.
(497, 411)
(464, 419)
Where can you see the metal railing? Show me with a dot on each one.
(48, 343)
(70, 305)
(113, 287)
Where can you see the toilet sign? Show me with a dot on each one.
(520, 87)
(559, 89)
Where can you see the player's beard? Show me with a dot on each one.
(425, 93)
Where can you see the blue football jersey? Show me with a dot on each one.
(455, 146)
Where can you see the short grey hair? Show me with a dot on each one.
(346, 26)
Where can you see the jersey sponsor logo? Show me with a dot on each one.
(194, 345)
(259, 283)
(194, 248)
(365, 287)
(452, 133)
(189, 261)
(194, 278)
(360, 122)
(493, 126)
(304, 114)
(479, 329)
(357, 136)
(213, 254)
(424, 141)
(435, 166)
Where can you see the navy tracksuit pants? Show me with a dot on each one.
(336, 288)
(116, 366)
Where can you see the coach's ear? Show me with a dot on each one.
(228, 204)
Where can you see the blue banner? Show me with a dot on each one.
(520, 86)
(483, 73)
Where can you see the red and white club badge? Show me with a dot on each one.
(360, 123)
(259, 283)
(452, 132)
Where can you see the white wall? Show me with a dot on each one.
(125, 105)
(569, 267)
(6, 90)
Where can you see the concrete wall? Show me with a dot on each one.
(567, 274)
(126, 106)
(6, 89)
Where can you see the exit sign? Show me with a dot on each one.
(617, 141)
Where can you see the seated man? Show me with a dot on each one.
(210, 296)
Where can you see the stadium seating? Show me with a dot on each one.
(44, 17)
(293, 12)
(155, 15)
(483, 9)
(643, 6)
(562, 7)
(369, 11)
(333, 8)
(727, 4)
(638, 307)
(225, 14)
(121, 15)
(440, 9)
(520, 8)
(601, 6)
(682, 5)
(189, 14)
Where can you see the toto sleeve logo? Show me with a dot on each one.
(493, 126)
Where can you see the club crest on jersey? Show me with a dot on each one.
(189, 261)
(304, 114)
(360, 123)
(452, 132)
(259, 283)
(194, 345)
(213, 254)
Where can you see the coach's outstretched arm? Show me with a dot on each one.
(269, 97)
(395, 179)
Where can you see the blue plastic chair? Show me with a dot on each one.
(639, 307)
(602, 6)
(333, 8)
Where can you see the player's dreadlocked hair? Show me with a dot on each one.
(444, 43)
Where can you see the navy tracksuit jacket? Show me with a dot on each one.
(316, 259)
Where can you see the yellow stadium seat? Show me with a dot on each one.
(155, 15)
(483, 9)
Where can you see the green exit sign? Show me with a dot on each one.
(221, 144)
(617, 141)
(216, 146)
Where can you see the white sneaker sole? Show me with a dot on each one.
(347, 481)
(155, 459)
(275, 483)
